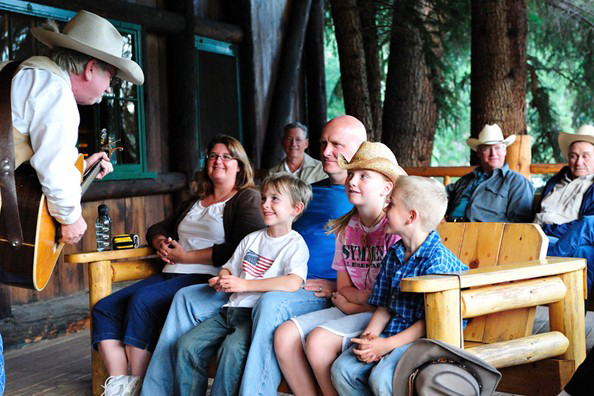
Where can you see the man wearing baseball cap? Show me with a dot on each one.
(492, 192)
(566, 210)
(45, 92)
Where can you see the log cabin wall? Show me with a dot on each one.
(136, 204)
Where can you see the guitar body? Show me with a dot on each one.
(31, 265)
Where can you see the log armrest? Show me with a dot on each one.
(496, 274)
(555, 281)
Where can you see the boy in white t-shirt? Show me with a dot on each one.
(274, 258)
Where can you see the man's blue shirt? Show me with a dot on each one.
(432, 257)
(329, 201)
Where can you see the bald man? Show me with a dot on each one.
(194, 304)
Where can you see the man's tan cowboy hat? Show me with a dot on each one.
(584, 134)
(491, 134)
(92, 35)
(432, 367)
(376, 157)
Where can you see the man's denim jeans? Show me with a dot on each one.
(262, 373)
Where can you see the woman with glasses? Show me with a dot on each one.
(193, 243)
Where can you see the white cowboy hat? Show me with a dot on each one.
(92, 35)
(491, 134)
(584, 134)
(376, 157)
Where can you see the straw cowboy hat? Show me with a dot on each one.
(94, 36)
(491, 134)
(431, 367)
(584, 134)
(376, 157)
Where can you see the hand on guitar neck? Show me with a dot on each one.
(106, 166)
(72, 233)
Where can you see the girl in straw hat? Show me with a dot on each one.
(361, 244)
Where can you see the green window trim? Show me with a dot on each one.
(121, 171)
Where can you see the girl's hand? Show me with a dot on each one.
(339, 300)
(232, 284)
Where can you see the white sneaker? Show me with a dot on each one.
(122, 385)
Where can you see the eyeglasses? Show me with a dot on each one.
(485, 148)
(215, 156)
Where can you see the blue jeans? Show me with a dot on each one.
(353, 377)
(135, 314)
(191, 305)
(2, 373)
(578, 241)
(231, 329)
(262, 374)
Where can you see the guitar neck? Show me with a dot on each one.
(90, 176)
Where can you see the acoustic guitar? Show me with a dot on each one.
(31, 265)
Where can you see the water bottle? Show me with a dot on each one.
(103, 229)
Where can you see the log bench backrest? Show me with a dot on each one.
(491, 244)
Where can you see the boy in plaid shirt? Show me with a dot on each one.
(415, 208)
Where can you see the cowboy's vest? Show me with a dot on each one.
(22, 142)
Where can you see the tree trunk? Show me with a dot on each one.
(368, 14)
(410, 111)
(353, 69)
(498, 66)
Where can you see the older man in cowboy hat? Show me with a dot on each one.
(566, 210)
(491, 192)
(297, 162)
(45, 92)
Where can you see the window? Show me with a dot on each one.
(121, 112)
(219, 105)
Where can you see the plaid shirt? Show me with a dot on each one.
(432, 257)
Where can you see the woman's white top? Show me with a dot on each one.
(199, 229)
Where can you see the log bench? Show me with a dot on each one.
(509, 276)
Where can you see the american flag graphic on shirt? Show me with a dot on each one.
(254, 264)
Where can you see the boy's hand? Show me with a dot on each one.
(215, 284)
(232, 284)
(371, 350)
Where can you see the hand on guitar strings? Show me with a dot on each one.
(106, 166)
(72, 233)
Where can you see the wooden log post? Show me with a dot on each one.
(99, 287)
(443, 316)
(567, 316)
(315, 73)
(519, 156)
(286, 85)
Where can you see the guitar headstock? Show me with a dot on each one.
(107, 144)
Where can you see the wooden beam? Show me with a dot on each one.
(162, 184)
(315, 75)
(286, 84)
(218, 30)
(522, 350)
(152, 19)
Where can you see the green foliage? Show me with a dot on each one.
(560, 71)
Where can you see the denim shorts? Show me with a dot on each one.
(335, 321)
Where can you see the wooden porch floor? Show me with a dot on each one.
(62, 367)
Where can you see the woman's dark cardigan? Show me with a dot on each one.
(241, 216)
